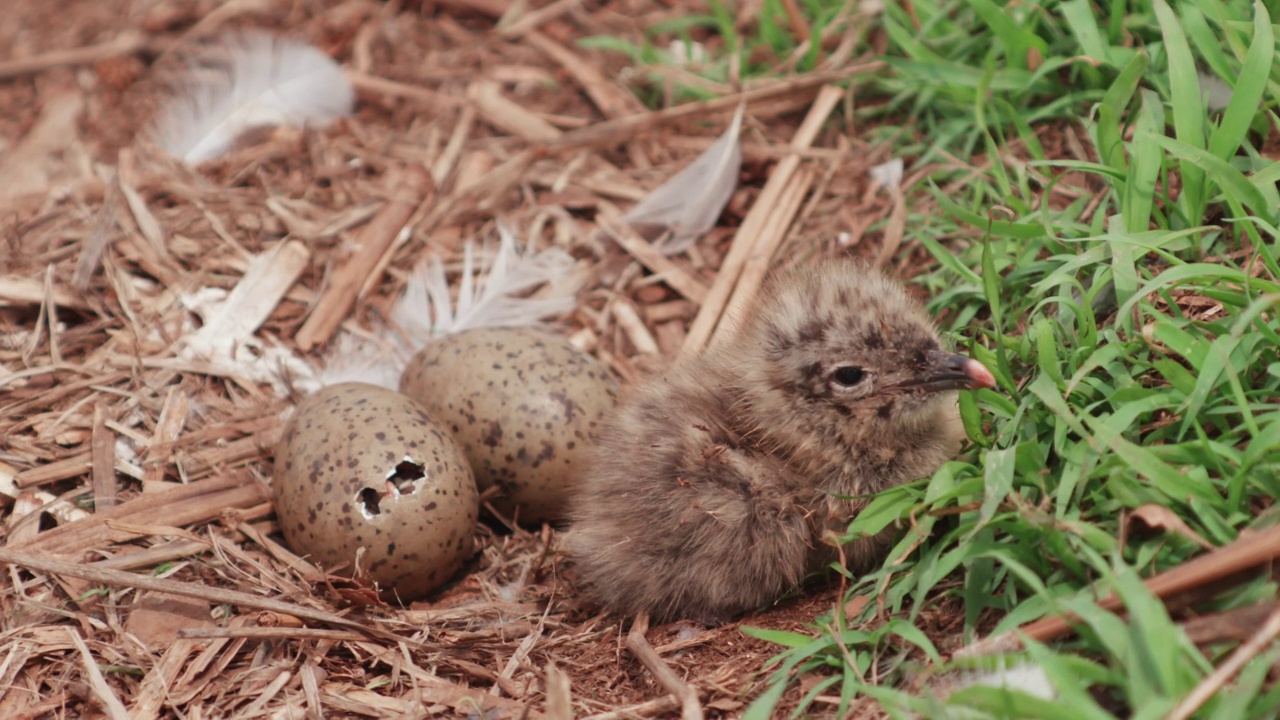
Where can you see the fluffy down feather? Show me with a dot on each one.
(245, 81)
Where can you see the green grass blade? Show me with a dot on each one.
(1232, 181)
(1145, 163)
(1109, 127)
(1248, 90)
(1188, 108)
(1079, 17)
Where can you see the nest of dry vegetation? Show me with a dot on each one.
(145, 576)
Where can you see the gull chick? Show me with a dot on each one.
(713, 485)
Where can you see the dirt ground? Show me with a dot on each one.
(104, 240)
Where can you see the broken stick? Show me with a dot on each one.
(752, 238)
(408, 191)
(638, 644)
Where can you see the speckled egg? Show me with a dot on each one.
(525, 405)
(361, 466)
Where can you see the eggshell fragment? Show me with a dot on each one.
(361, 466)
(525, 405)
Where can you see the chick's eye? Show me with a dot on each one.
(847, 376)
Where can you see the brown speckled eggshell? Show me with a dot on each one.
(340, 454)
(525, 405)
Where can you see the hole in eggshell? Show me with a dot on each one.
(368, 499)
(401, 478)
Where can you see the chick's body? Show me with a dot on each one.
(713, 484)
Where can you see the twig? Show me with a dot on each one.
(153, 556)
(559, 705)
(478, 197)
(267, 633)
(126, 43)
(628, 239)
(799, 28)
(51, 317)
(625, 129)
(448, 158)
(1232, 665)
(115, 709)
(156, 685)
(612, 102)
(186, 504)
(408, 191)
(1237, 624)
(490, 8)
(104, 460)
(756, 267)
(92, 248)
(148, 226)
(173, 417)
(480, 672)
(508, 115)
(650, 708)
(895, 228)
(527, 22)
(1246, 552)
(752, 231)
(30, 291)
(374, 84)
(629, 320)
(217, 596)
(520, 655)
(690, 708)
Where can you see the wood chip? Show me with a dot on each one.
(264, 284)
(613, 101)
(156, 619)
(629, 320)
(680, 280)
(125, 43)
(612, 132)
(196, 502)
(690, 707)
(115, 709)
(146, 582)
(509, 116)
(22, 291)
(751, 240)
(409, 188)
(760, 261)
(103, 461)
(559, 701)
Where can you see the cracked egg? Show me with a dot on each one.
(526, 406)
(364, 475)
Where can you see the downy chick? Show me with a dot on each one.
(713, 484)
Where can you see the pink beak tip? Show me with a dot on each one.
(980, 376)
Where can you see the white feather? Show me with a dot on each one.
(490, 294)
(887, 174)
(690, 202)
(257, 81)
(359, 359)
(1025, 677)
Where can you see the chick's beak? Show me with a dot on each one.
(948, 371)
